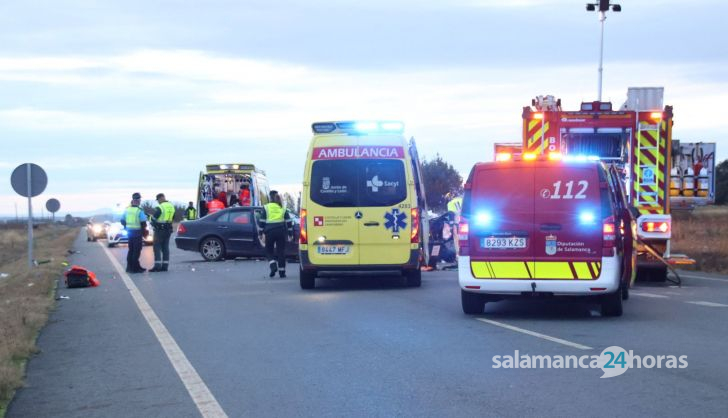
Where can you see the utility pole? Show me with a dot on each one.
(602, 7)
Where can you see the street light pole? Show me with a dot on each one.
(602, 18)
(602, 7)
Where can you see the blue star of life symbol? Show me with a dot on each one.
(395, 220)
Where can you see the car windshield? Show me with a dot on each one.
(358, 183)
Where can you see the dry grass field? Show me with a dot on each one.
(703, 235)
(26, 297)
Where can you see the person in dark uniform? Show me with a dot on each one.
(135, 222)
(191, 212)
(275, 223)
(162, 223)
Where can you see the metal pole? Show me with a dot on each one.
(602, 18)
(30, 222)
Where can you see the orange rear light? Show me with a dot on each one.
(181, 229)
(537, 116)
(463, 237)
(415, 234)
(529, 156)
(303, 237)
(655, 227)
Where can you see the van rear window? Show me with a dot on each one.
(358, 183)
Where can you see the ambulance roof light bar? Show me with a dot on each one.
(358, 127)
(552, 156)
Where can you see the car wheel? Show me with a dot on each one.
(112, 245)
(473, 303)
(414, 278)
(307, 278)
(612, 304)
(212, 249)
(88, 238)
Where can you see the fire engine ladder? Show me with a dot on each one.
(645, 198)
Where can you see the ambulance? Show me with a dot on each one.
(540, 226)
(362, 202)
(225, 180)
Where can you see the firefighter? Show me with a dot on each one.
(244, 195)
(276, 223)
(191, 212)
(135, 222)
(162, 222)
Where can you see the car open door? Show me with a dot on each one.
(421, 201)
(627, 229)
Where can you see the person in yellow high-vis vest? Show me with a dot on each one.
(454, 209)
(275, 223)
(162, 222)
(135, 223)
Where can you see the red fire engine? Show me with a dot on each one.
(637, 138)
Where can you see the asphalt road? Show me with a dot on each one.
(247, 345)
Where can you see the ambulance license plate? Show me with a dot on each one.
(333, 249)
(505, 243)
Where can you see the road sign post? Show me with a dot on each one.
(29, 180)
(53, 205)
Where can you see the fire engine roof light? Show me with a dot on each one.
(529, 156)
(656, 115)
(537, 115)
(554, 156)
(580, 158)
(503, 156)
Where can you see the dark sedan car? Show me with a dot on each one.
(229, 233)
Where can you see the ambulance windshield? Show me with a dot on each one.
(358, 183)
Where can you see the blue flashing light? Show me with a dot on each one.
(366, 126)
(361, 127)
(323, 127)
(124, 232)
(587, 217)
(483, 218)
(580, 158)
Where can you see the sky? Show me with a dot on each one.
(112, 98)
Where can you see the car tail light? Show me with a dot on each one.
(415, 234)
(303, 237)
(463, 234)
(609, 234)
(655, 227)
(181, 229)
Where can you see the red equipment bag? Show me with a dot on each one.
(79, 276)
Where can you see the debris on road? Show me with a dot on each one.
(4, 275)
(63, 297)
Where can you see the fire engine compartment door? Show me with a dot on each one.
(605, 143)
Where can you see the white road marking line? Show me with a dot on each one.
(648, 295)
(535, 334)
(714, 279)
(198, 391)
(711, 304)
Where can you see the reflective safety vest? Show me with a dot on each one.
(274, 213)
(132, 217)
(191, 214)
(215, 206)
(167, 214)
(455, 205)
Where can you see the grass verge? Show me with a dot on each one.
(703, 235)
(26, 297)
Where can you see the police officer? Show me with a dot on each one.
(162, 223)
(191, 212)
(135, 222)
(275, 223)
(454, 209)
